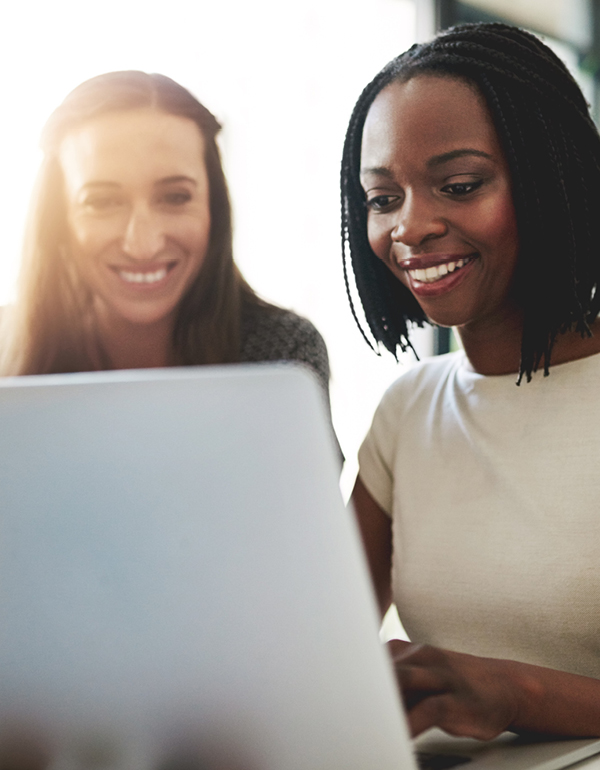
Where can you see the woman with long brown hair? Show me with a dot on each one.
(128, 252)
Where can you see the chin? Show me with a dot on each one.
(140, 316)
(447, 320)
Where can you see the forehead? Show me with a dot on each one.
(426, 116)
(125, 147)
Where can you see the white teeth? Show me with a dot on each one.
(130, 277)
(432, 274)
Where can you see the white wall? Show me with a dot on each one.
(282, 77)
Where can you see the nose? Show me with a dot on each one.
(418, 220)
(144, 237)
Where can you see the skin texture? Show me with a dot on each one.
(438, 189)
(137, 197)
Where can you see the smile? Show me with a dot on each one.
(144, 277)
(436, 272)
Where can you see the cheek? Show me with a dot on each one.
(194, 234)
(501, 227)
(91, 237)
(379, 233)
(379, 237)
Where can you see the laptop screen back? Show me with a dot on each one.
(179, 577)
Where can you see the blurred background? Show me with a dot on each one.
(282, 77)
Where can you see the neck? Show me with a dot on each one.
(136, 346)
(494, 347)
(497, 350)
(571, 346)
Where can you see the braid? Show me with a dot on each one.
(553, 153)
(383, 298)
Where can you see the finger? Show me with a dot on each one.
(427, 668)
(445, 711)
(429, 712)
(426, 678)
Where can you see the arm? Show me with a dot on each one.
(481, 697)
(465, 694)
(376, 532)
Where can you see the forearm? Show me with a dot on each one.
(554, 702)
(481, 697)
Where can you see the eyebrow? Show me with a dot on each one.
(446, 157)
(99, 183)
(434, 162)
(164, 181)
(377, 171)
(178, 178)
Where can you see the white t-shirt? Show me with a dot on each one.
(494, 491)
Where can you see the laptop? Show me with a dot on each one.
(181, 586)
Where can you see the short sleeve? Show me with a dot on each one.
(376, 454)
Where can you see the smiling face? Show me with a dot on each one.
(440, 209)
(137, 196)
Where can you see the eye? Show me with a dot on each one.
(382, 202)
(462, 188)
(101, 203)
(176, 197)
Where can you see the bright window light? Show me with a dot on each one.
(282, 78)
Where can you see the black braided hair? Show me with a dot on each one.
(553, 152)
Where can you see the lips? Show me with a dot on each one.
(435, 272)
(431, 275)
(146, 278)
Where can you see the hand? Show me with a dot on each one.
(462, 694)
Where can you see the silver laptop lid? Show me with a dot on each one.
(179, 577)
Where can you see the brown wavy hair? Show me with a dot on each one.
(51, 327)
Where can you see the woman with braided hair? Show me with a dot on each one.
(470, 196)
(128, 257)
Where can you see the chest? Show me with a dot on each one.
(497, 527)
